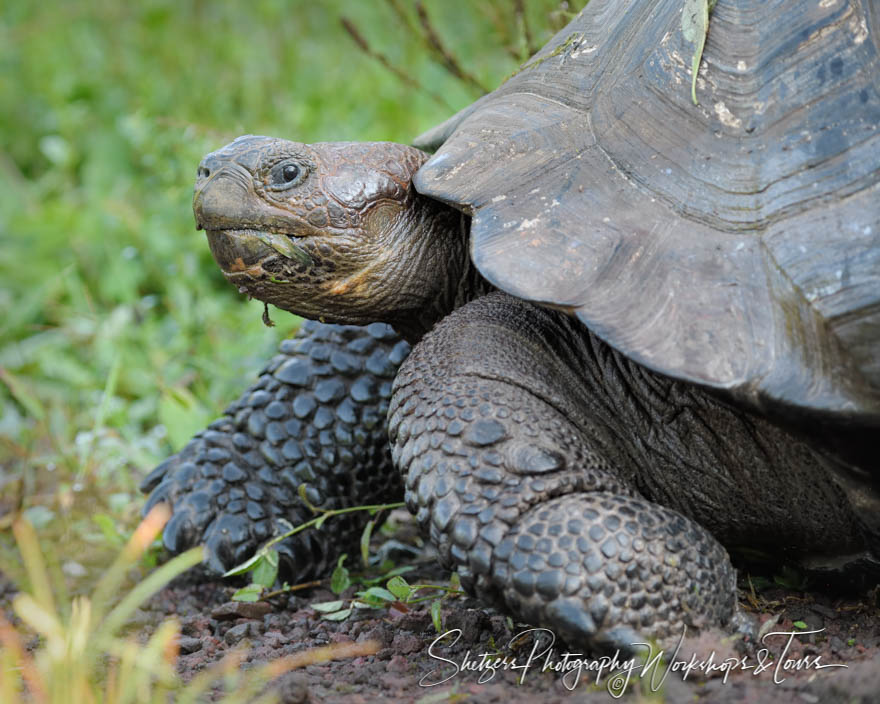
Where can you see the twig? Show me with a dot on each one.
(447, 60)
(316, 522)
(522, 24)
(293, 588)
(359, 39)
(403, 15)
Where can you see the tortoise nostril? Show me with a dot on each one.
(204, 172)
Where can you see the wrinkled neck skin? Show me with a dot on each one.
(432, 274)
(335, 232)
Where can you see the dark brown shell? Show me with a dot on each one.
(735, 243)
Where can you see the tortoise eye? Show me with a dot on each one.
(285, 175)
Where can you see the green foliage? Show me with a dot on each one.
(397, 593)
(340, 580)
(252, 592)
(263, 565)
(365, 542)
(436, 617)
(119, 337)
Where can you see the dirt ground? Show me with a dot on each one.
(411, 665)
(211, 626)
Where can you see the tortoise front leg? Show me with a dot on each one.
(519, 498)
(316, 416)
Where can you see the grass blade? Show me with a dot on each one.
(145, 589)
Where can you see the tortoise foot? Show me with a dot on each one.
(530, 499)
(608, 571)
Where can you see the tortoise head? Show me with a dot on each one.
(331, 231)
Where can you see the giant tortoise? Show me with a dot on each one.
(642, 329)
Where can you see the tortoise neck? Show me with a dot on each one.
(450, 265)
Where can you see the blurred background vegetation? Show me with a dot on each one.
(120, 338)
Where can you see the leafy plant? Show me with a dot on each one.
(397, 593)
(263, 565)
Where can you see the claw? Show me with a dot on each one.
(157, 475)
(287, 558)
(570, 620)
(227, 537)
(159, 495)
(179, 533)
(217, 555)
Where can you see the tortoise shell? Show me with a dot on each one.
(734, 243)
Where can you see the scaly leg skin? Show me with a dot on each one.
(317, 415)
(511, 480)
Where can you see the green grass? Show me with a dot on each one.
(118, 336)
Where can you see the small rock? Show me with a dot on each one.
(275, 621)
(415, 621)
(241, 609)
(187, 644)
(379, 633)
(824, 611)
(298, 633)
(398, 664)
(196, 626)
(406, 643)
(814, 620)
(273, 639)
(236, 633)
(292, 689)
(360, 675)
(471, 622)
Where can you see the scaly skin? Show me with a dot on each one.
(316, 416)
(566, 483)
(541, 479)
(346, 216)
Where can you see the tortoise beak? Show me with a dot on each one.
(223, 196)
(223, 199)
